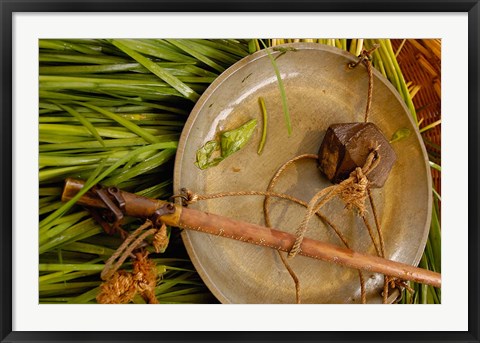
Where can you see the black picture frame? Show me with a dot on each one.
(9, 7)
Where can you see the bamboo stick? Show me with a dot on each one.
(191, 219)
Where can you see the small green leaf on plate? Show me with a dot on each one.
(234, 140)
(230, 142)
(204, 155)
(400, 134)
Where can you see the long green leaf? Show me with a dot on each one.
(189, 49)
(281, 87)
(122, 121)
(84, 122)
(160, 72)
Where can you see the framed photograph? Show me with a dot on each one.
(258, 172)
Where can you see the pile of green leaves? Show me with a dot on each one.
(111, 112)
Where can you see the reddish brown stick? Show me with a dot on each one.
(192, 219)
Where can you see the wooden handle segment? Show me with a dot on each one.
(191, 219)
(268, 237)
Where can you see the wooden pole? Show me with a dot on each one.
(191, 219)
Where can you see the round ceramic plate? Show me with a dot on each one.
(321, 91)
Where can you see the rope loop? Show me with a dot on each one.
(366, 58)
(353, 191)
(120, 286)
(187, 197)
(190, 197)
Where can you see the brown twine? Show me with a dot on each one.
(266, 204)
(266, 214)
(370, 233)
(126, 249)
(191, 197)
(293, 275)
(382, 245)
(145, 275)
(122, 286)
(394, 283)
(160, 239)
(379, 249)
(366, 58)
(133, 241)
(397, 283)
(352, 191)
(119, 289)
(377, 223)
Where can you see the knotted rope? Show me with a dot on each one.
(366, 57)
(123, 252)
(353, 191)
(121, 286)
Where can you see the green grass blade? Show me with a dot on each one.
(435, 166)
(111, 143)
(50, 191)
(151, 48)
(62, 276)
(85, 297)
(143, 167)
(49, 208)
(435, 239)
(210, 50)
(282, 90)
(79, 231)
(84, 122)
(68, 286)
(49, 231)
(225, 45)
(43, 267)
(88, 249)
(193, 52)
(59, 212)
(122, 121)
(160, 72)
(80, 58)
(264, 126)
(50, 174)
(63, 45)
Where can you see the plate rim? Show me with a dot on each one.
(201, 102)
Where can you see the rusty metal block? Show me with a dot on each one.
(346, 146)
